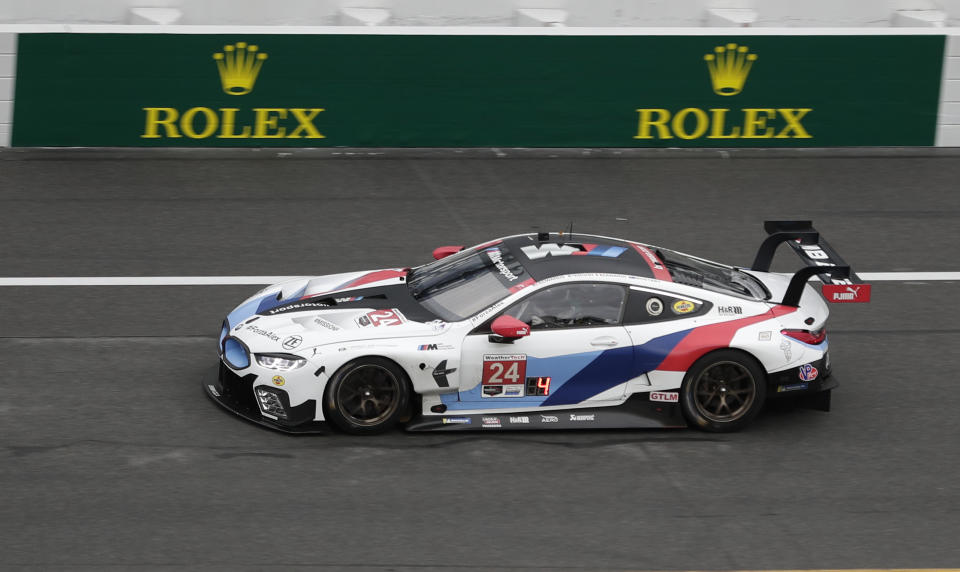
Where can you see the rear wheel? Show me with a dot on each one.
(723, 391)
(367, 396)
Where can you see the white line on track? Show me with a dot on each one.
(262, 280)
(142, 280)
(908, 276)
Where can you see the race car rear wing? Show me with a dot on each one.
(840, 283)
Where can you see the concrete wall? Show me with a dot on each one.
(657, 13)
(8, 45)
(948, 122)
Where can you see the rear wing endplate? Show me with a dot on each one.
(840, 283)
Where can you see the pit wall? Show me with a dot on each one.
(182, 86)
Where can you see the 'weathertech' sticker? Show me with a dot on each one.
(504, 369)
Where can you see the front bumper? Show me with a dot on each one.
(236, 394)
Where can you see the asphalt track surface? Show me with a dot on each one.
(112, 458)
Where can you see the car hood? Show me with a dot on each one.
(298, 289)
(306, 312)
(292, 332)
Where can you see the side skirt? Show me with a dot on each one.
(638, 412)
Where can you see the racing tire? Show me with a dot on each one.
(367, 396)
(723, 391)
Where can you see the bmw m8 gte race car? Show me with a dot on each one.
(537, 331)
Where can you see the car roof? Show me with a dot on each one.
(545, 255)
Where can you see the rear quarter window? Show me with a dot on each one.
(645, 307)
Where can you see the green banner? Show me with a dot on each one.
(198, 90)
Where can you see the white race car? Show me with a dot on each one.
(537, 331)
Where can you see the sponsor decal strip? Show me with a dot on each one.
(265, 280)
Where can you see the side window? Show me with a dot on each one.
(572, 306)
(644, 307)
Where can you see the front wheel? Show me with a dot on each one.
(723, 391)
(367, 396)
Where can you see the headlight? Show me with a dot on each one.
(282, 362)
(224, 330)
(235, 354)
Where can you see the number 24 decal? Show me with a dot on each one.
(504, 371)
(385, 318)
(498, 375)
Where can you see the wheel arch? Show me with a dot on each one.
(737, 349)
(324, 401)
(694, 413)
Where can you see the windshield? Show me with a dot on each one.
(459, 286)
(704, 274)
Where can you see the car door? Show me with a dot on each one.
(657, 321)
(577, 350)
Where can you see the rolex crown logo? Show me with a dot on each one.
(239, 65)
(729, 66)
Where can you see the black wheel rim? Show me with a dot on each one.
(368, 395)
(724, 391)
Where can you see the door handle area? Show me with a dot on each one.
(604, 341)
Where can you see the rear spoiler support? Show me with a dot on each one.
(800, 278)
(840, 283)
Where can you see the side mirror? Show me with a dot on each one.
(506, 329)
(445, 251)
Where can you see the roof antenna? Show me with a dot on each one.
(571, 230)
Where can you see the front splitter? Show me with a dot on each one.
(214, 389)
